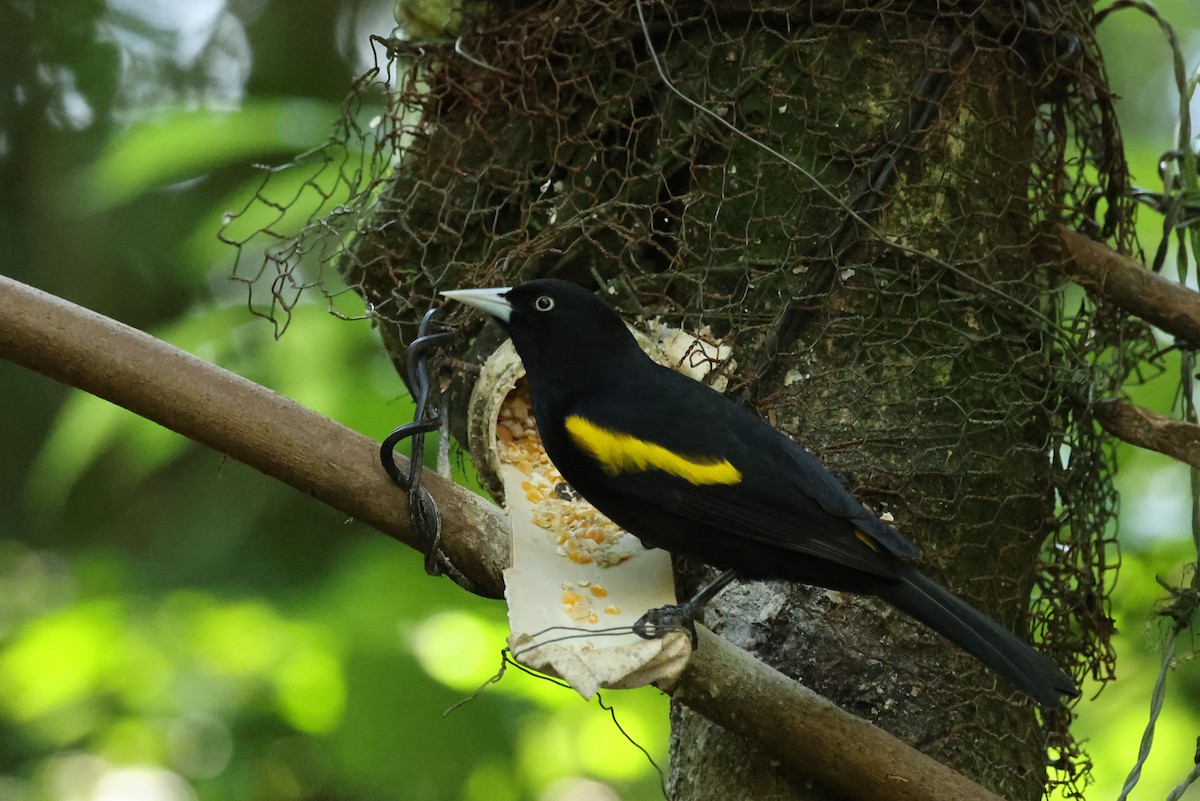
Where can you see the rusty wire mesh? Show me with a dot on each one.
(852, 192)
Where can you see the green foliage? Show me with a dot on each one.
(177, 145)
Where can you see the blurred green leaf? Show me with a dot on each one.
(243, 639)
(311, 690)
(459, 649)
(491, 780)
(62, 659)
(183, 144)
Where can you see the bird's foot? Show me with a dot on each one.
(658, 623)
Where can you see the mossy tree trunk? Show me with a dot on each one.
(919, 375)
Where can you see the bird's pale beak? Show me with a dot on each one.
(490, 301)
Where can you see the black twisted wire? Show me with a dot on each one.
(422, 509)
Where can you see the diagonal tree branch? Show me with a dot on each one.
(1127, 283)
(237, 417)
(1170, 305)
(1136, 425)
(340, 467)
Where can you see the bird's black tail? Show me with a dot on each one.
(983, 638)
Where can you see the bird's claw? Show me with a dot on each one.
(658, 623)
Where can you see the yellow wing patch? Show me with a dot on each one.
(866, 539)
(622, 453)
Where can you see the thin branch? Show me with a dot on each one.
(1139, 426)
(340, 467)
(1126, 282)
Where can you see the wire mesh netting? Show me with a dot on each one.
(855, 198)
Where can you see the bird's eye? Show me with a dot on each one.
(544, 303)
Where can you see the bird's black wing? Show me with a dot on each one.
(803, 470)
(676, 443)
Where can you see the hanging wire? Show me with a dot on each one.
(508, 657)
(1188, 780)
(1156, 703)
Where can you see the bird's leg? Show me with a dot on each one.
(658, 623)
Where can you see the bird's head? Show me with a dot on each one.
(555, 325)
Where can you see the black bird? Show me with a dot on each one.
(683, 468)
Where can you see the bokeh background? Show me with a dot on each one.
(175, 626)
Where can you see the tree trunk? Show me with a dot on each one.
(911, 358)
